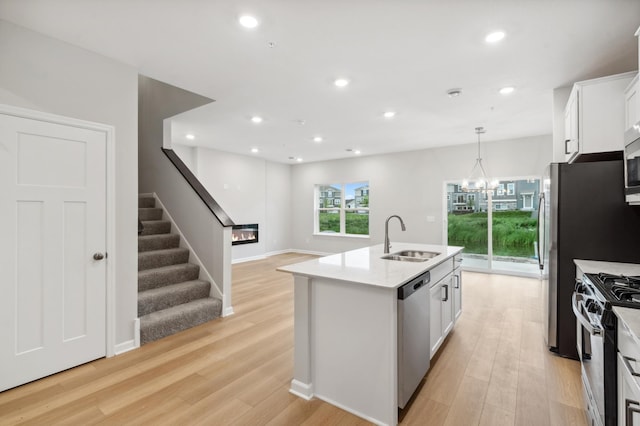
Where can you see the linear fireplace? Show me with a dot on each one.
(244, 234)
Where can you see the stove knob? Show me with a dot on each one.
(593, 307)
(580, 288)
(598, 309)
(588, 303)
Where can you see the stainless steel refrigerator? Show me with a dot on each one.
(583, 215)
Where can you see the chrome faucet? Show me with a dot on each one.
(387, 244)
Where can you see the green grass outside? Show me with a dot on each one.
(514, 233)
(355, 223)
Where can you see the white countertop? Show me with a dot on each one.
(630, 316)
(365, 265)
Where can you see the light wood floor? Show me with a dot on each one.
(492, 370)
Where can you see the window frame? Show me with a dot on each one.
(341, 208)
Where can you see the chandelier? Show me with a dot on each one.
(478, 180)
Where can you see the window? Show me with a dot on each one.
(500, 189)
(511, 188)
(342, 209)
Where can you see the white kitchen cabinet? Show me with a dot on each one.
(441, 311)
(632, 104)
(628, 383)
(595, 116)
(628, 395)
(457, 287)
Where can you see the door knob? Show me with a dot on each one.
(98, 256)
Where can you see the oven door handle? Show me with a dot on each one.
(592, 329)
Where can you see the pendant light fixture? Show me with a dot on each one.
(478, 180)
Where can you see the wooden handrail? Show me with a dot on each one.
(202, 192)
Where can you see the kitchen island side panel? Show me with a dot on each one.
(354, 348)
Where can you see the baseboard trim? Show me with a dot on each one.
(227, 311)
(302, 390)
(316, 253)
(277, 252)
(248, 259)
(127, 346)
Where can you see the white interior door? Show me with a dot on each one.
(52, 222)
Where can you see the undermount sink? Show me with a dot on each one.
(411, 256)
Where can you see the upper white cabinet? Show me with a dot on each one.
(595, 116)
(632, 104)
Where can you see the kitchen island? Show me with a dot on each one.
(346, 325)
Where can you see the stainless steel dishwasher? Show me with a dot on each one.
(413, 336)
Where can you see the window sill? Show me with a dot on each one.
(322, 234)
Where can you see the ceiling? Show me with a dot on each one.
(400, 55)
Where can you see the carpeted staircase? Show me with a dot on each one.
(171, 298)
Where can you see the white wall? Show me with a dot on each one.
(250, 190)
(188, 155)
(45, 74)
(277, 234)
(409, 184)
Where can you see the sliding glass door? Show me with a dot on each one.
(497, 228)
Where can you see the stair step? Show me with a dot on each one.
(169, 321)
(160, 277)
(152, 227)
(149, 213)
(158, 242)
(146, 202)
(157, 299)
(166, 257)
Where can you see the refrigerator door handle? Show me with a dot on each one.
(541, 240)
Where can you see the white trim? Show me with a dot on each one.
(136, 332)
(302, 390)
(193, 257)
(228, 310)
(248, 259)
(337, 234)
(110, 249)
(127, 346)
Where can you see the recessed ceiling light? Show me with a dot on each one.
(190, 136)
(341, 82)
(256, 119)
(454, 93)
(356, 152)
(248, 21)
(389, 114)
(299, 160)
(494, 37)
(317, 139)
(506, 90)
(255, 150)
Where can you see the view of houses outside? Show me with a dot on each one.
(514, 219)
(355, 210)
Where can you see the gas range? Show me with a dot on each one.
(615, 290)
(593, 301)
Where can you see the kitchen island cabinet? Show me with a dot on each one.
(346, 326)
